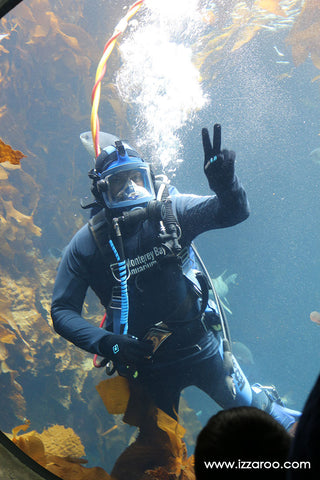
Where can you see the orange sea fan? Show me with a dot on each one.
(58, 449)
(7, 154)
(62, 441)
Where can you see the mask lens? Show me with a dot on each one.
(125, 185)
(129, 187)
(118, 182)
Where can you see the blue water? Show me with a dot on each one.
(271, 123)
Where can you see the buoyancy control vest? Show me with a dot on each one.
(169, 234)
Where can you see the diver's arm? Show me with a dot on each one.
(68, 297)
(76, 268)
(219, 168)
(197, 214)
(228, 206)
(231, 205)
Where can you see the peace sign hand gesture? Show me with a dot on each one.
(218, 165)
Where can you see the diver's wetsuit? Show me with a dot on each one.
(158, 291)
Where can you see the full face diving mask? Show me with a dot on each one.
(127, 182)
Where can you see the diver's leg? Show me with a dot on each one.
(211, 379)
(164, 385)
(267, 398)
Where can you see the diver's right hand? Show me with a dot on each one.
(126, 350)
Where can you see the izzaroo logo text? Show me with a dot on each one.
(144, 262)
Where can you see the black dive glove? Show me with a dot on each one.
(125, 350)
(218, 166)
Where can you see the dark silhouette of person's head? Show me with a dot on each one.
(240, 434)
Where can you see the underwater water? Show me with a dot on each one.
(180, 66)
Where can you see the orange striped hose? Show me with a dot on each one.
(101, 70)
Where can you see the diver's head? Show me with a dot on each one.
(124, 180)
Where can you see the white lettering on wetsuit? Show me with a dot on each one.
(140, 263)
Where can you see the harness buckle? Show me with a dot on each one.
(114, 267)
(115, 303)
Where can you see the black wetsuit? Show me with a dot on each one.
(158, 291)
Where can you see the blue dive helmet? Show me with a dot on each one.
(125, 179)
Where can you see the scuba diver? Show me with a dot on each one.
(162, 331)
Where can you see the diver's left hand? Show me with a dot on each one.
(218, 165)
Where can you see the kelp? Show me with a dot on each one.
(115, 394)
(25, 221)
(304, 36)
(44, 76)
(271, 6)
(45, 37)
(16, 226)
(48, 61)
(232, 31)
(159, 451)
(59, 450)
